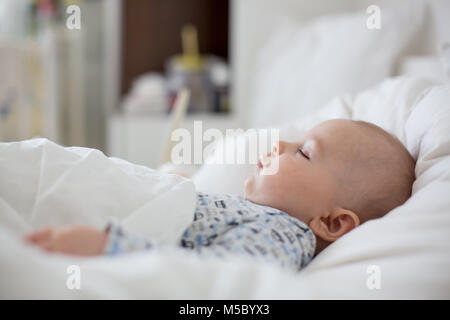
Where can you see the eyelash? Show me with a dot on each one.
(301, 151)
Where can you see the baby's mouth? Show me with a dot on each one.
(260, 166)
(263, 162)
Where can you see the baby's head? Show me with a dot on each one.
(339, 175)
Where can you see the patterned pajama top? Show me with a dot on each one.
(228, 224)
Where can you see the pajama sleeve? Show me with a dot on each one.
(122, 241)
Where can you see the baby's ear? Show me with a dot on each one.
(335, 224)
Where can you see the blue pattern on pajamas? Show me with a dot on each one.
(229, 224)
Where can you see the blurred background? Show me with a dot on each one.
(64, 83)
(111, 83)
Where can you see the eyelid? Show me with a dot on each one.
(301, 151)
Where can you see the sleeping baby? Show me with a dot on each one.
(339, 175)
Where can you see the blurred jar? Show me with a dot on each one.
(219, 75)
(197, 79)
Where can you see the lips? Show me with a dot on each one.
(260, 164)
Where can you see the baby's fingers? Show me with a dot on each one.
(39, 236)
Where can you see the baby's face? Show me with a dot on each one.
(306, 184)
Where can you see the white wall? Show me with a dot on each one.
(253, 22)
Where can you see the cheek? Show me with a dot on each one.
(274, 186)
(284, 186)
(262, 189)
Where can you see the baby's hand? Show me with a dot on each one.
(78, 240)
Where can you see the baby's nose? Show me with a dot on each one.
(280, 146)
(274, 152)
(275, 149)
(265, 158)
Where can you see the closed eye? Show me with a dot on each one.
(302, 153)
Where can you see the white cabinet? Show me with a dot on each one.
(142, 139)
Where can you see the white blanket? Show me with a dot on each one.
(403, 255)
(43, 183)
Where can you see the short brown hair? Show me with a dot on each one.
(390, 168)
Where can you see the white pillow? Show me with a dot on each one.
(304, 66)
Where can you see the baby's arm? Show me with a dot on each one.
(76, 240)
(88, 241)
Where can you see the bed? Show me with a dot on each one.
(404, 255)
(408, 249)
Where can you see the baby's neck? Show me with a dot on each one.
(320, 245)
